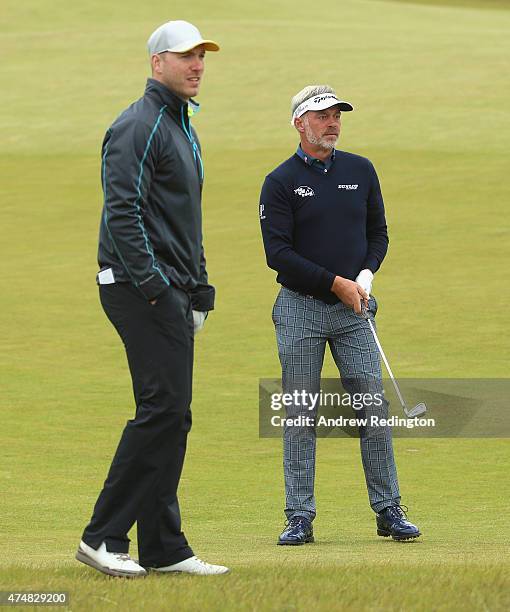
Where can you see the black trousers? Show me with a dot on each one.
(142, 482)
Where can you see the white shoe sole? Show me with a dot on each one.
(155, 570)
(84, 558)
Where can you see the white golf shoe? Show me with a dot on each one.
(193, 565)
(111, 563)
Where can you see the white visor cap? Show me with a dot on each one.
(318, 103)
(178, 37)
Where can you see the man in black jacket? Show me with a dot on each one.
(153, 288)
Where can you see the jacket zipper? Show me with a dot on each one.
(196, 152)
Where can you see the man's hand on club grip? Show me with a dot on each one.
(349, 293)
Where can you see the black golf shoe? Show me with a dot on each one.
(298, 531)
(392, 521)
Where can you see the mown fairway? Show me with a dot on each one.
(430, 85)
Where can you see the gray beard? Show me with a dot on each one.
(328, 145)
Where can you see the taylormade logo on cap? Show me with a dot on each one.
(320, 103)
(178, 37)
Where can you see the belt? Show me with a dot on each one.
(299, 292)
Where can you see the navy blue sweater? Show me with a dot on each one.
(317, 224)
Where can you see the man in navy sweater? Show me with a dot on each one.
(324, 231)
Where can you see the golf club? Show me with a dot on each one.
(420, 408)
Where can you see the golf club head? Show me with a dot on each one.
(417, 411)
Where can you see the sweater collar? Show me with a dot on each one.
(312, 161)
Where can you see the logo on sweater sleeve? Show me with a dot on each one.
(304, 191)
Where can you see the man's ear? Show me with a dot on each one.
(299, 124)
(155, 64)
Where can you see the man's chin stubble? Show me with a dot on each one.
(327, 145)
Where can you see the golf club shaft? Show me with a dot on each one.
(395, 384)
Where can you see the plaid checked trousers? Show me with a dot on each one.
(303, 327)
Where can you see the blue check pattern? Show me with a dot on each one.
(304, 325)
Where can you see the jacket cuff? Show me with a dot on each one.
(153, 286)
(202, 298)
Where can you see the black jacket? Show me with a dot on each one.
(152, 175)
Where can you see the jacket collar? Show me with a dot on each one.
(158, 91)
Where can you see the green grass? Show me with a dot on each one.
(477, 4)
(286, 584)
(428, 83)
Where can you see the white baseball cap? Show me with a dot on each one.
(178, 37)
(320, 102)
